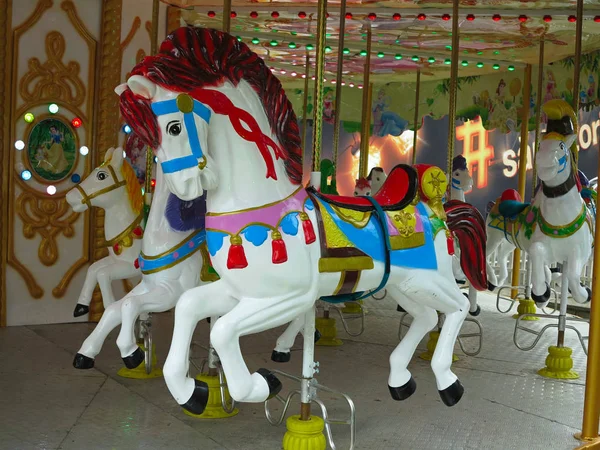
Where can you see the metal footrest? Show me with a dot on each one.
(143, 331)
(314, 388)
(361, 315)
(499, 296)
(540, 333)
(380, 295)
(228, 408)
(405, 323)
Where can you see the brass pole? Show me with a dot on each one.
(577, 70)
(305, 104)
(149, 152)
(366, 111)
(538, 112)
(516, 267)
(227, 16)
(453, 86)
(338, 86)
(416, 121)
(319, 73)
(591, 401)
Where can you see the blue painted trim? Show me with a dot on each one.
(182, 251)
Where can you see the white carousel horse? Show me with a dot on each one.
(556, 226)
(121, 198)
(217, 127)
(170, 262)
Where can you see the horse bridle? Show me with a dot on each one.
(187, 105)
(564, 187)
(87, 199)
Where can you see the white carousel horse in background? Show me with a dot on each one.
(121, 198)
(218, 129)
(170, 262)
(556, 226)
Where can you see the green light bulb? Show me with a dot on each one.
(346, 51)
(310, 47)
(255, 41)
(465, 63)
(431, 59)
(292, 45)
(273, 43)
(398, 56)
(380, 55)
(415, 58)
(480, 65)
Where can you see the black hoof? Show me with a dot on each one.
(80, 310)
(589, 297)
(272, 381)
(476, 312)
(554, 270)
(280, 357)
(83, 362)
(460, 281)
(403, 392)
(317, 336)
(400, 309)
(135, 359)
(197, 402)
(541, 300)
(491, 287)
(208, 320)
(452, 394)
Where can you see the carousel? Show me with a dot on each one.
(188, 186)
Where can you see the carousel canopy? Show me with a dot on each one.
(495, 35)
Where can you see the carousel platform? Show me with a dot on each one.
(47, 404)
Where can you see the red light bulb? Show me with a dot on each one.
(348, 16)
(254, 14)
(396, 16)
(153, 182)
(274, 14)
(372, 16)
(233, 14)
(211, 14)
(76, 122)
(547, 18)
(470, 17)
(421, 16)
(496, 17)
(446, 17)
(572, 19)
(522, 18)
(302, 15)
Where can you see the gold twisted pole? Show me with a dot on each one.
(319, 73)
(363, 164)
(453, 86)
(305, 104)
(338, 86)
(538, 112)
(577, 69)
(516, 267)
(227, 16)
(416, 121)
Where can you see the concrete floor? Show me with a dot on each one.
(47, 404)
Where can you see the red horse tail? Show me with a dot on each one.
(467, 224)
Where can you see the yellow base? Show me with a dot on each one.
(214, 408)
(587, 443)
(526, 306)
(304, 434)
(559, 364)
(139, 373)
(328, 332)
(433, 338)
(354, 307)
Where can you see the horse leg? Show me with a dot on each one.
(118, 270)
(192, 307)
(400, 382)
(287, 339)
(91, 279)
(494, 239)
(248, 317)
(162, 298)
(580, 293)
(540, 289)
(504, 250)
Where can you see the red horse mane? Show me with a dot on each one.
(363, 183)
(192, 58)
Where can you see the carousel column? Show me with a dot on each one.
(516, 267)
(107, 124)
(305, 431)
(591, 402)
(527, 305)
(434, 335)
(327, 325)
(416, 119)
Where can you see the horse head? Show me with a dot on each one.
(461, 178)
(362, 187)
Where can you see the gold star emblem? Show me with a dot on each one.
(436, 183)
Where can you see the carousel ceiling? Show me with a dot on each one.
(495, 35)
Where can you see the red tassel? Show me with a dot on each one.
(307, 227)
(136, 263)
(450, 242)
(236, 259)
(278, 246)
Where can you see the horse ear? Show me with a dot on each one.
(142, 86)
(121, 88)
(117, 157)
(570, 139)
(108, 154)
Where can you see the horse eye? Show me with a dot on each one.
(102, 176)
(174, 128)
(355, 193)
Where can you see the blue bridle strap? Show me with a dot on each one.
(456, 183)
(193, 107)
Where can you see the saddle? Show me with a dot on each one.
(511, 204)
(398, 191)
